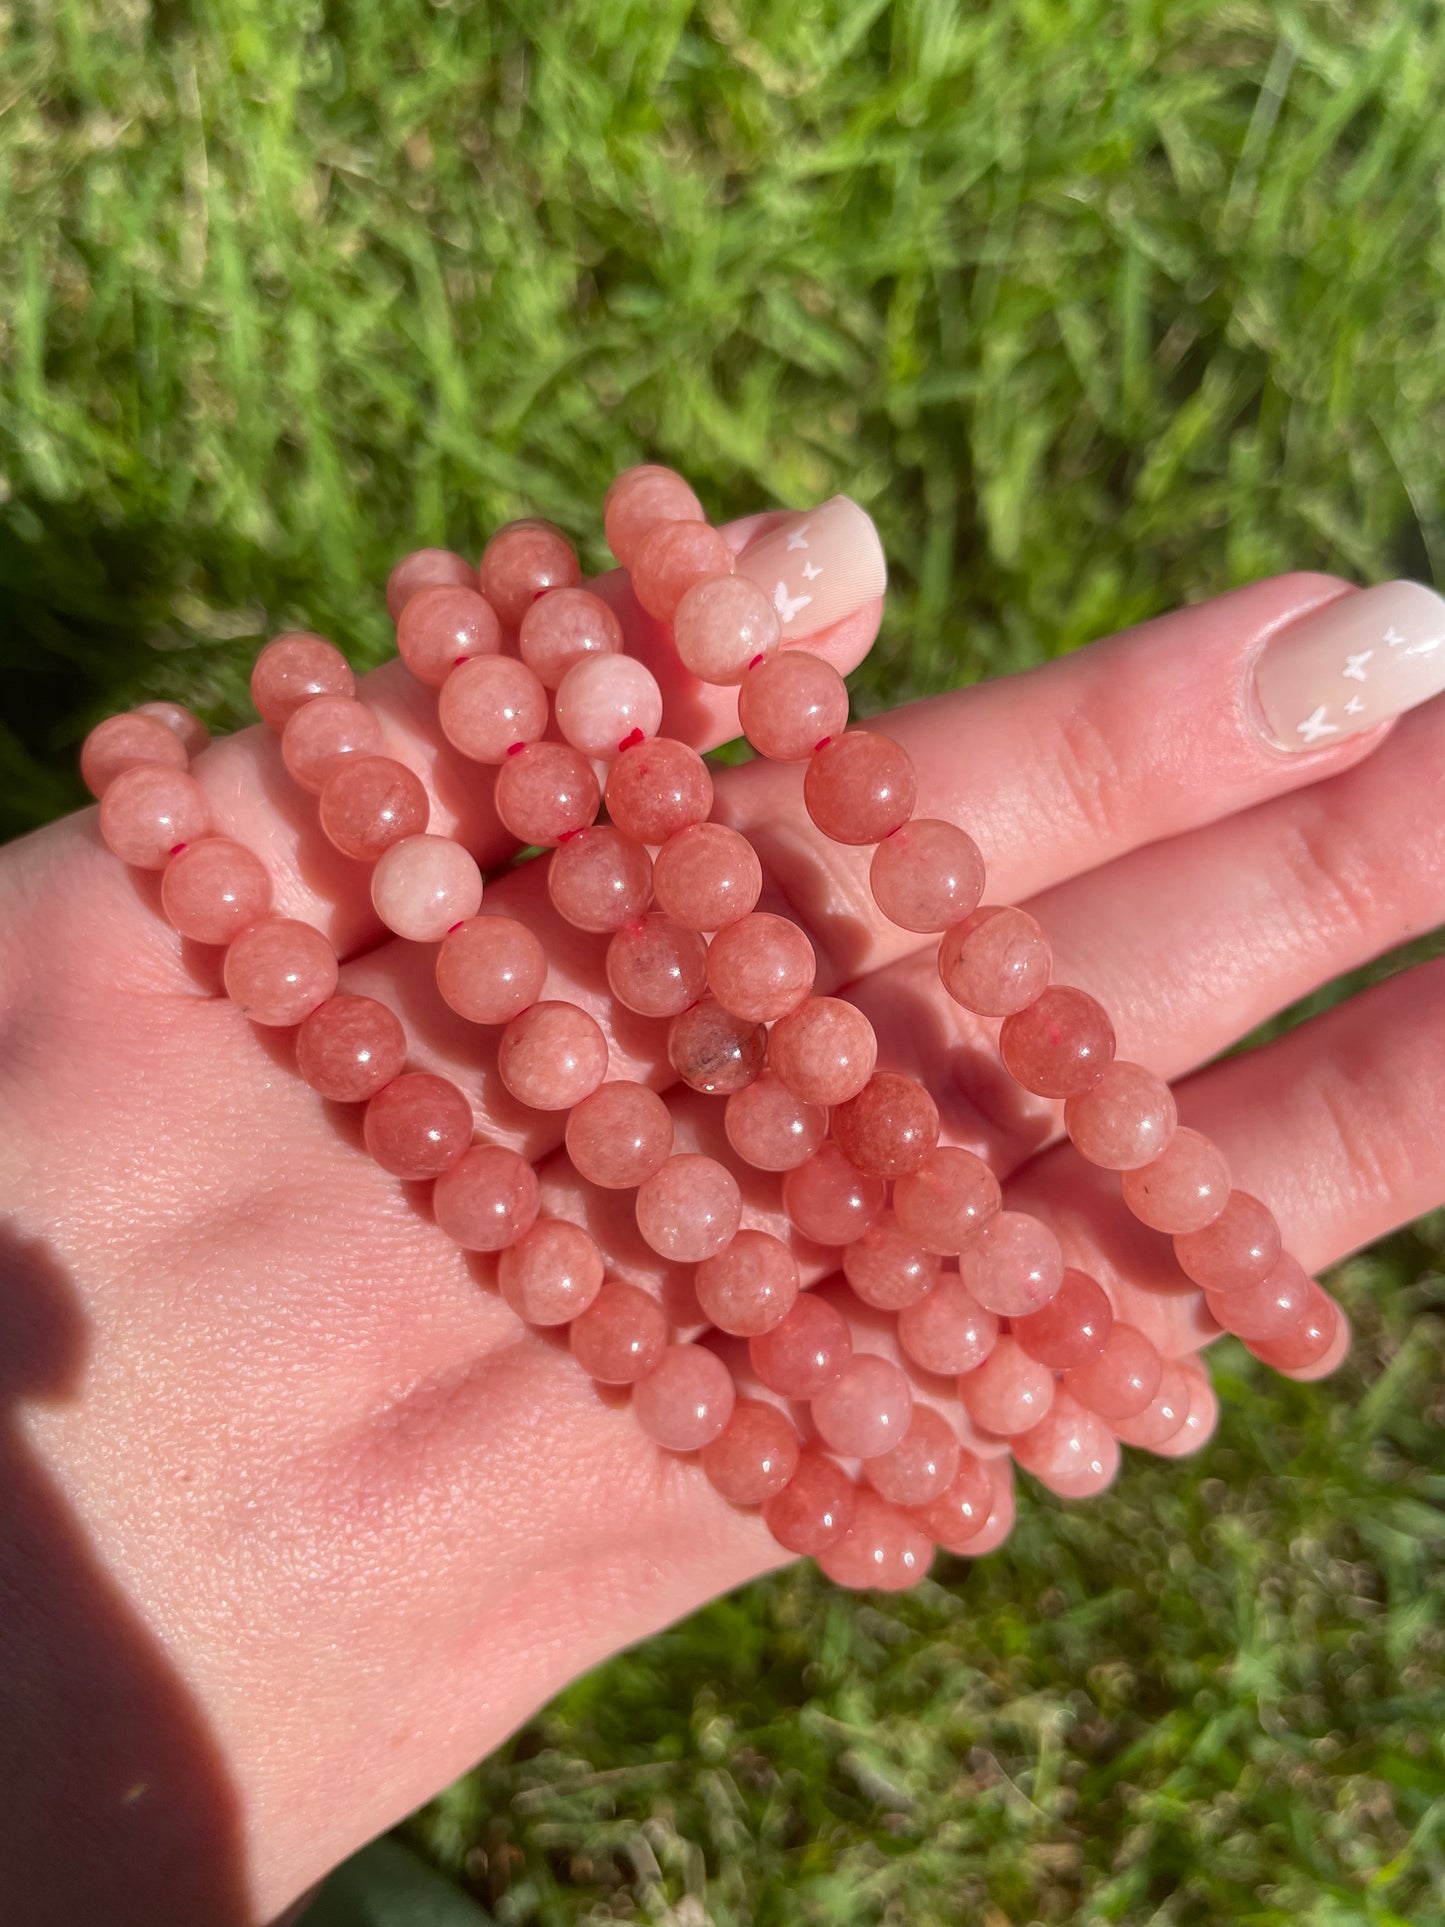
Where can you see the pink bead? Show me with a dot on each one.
(598, 880)
(1198, 1428)
(760, 967)
(1124, 1120)
(670, 557)
(619, 1135)
(565, 628)
(754, 1456)
(889, 1128)
(1067, 1445)
(771, 1129)
(749, 1285)
(491, 969)
(1268, 1310)
(1240, 1248)
(620, 1336)
(487, 1199)
(371, 802)
(638, 499)
(946, 1200)
(426, 569)
(884, 1550)
(689, 1208)
(804, 1351)
(213, 889)
(656, 968)
(1060, 1045)
(551, 1056)
(947, 1330)
(815, 1508)
(656, 788)
(927, 875)
(713, 1051)
(128, 742)
(923, 1464)
(707, 876)
(887, 1269)
(1014, 1265)
(424, 886)
(441, 627)
(190, 732)
(1163, 1416)
(320, 733)
(1307, 1341)
(1121, 1378)
(996, 961)
(860, 788)
(865, 1411)
(294, 669)
(489, 704)
(686, 1400)
(1072, 1327)
(604, 702)
(831, 1201)
(546, 792)
(790, 703)
(522, 561)
(551, 1273)
(722, 625)
(277, 971)
(958, 1514)
(418, 1125)
(149, 810)
(1095, 1475)
(824, 1051)
(349, 1048)
(1009, 1393)
(1184, 1189)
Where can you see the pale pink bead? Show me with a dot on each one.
(860, 788)
(689, 1208)
(1240, 1248)
(320, 733)
(866, 1409)
(722, 625)
(424, 886)
(491, 969)
(1009, 1392)
(887, 1268)
(213, 889)
(278, 970)
(761, 966)
(1185, 1188)
(598, 880)
(606, 703)
(946, 1200)
(829, 1200)
(565, 628)
(712, 1050)
(790, 703)
(545, 792)
(884, 1550)
(670, 557)
(1060, 1044)
(805, 1350)
(1072, 1327)
(418, 1125)
(996, 961)
(687, 1398)
(771, 1129)
(620, 1336)
(187, 728)
(294, 669)
(824, 1050)
(619, 1135)
(1162, 1417)
(754, 1456)
(551, 1056)
(815, 1508)
(749, 1285)
(1014, 1265)
(1096, 1476)
(1268, 1310)
(1124, 1120)
(149, 811)
(889, 1128)
(349, 1048)
(656, 968)
(441, 627)
(947, 1330)
(1307, 1341)
(426, 569)
(551, 1273)
(1070, 1450)
(958, 1514)
(927, 875)
(490, 704)
(487, 1198)
(1198, 1427)
(128, 742)
(656, 788)
(923, 1464)
(371, 802)
(707, 876)
(1121, 1377)
(638, 499)
(524, 560)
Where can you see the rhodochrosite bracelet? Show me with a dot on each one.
(851, 1455)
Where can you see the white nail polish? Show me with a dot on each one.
(818, 567)
(1357, 662)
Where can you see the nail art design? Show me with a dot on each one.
(1358, 662)
(818, 567)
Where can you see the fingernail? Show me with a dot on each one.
(1351, 665)
(818, 567)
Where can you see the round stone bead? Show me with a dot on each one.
(1014, 1265)
(1240, 1248)
(418, 1125)
(213, 889)
(320, 733)
(426, 569)
(947, 1200)
(722, 625)
(489, 705)
(887, 1269)
(545, 792)
(996, 961)
(1198, 1427)
(1072, 1327)
(620, 1336)
(754, 1456)
(889, 1128)
(1268, 1310)
(1067, 1445)
(551, 1056)
(551, 1273)
(487, 1198)
(1009, 1392)
(922, 1465)
(829, 1200)
(349, 1048)
(598, 880)
(1162, 1417)
(607, 703)
(190, 732)
(670, 557)
(565, 628)
(806, 1350)
(1121, 1378)
(689, 1208)
(824, 1050)
(760, 967)
(425, 886)
(638, 499)
(790, 704)
(865, 1410)
(1060, 1045)
(656, 788)
(1095, 1475)
(707, 876)
(927, 875)
(619, 1135)
(371, 802)
(524, 560)
(1307, 1341)
(490, 969)
(771, 1129)
(815, 1508)
(749, 1285)
(958, 1514)
(656, 968)
(947, 1330)
(860, 787)
(1185, 1188)
(278, 970)
(884, 1550)
(686, 1400)
(713, 1051)
(1124, 1120)
(443, 626)
(128, 742)
(294, 669)
(150, 811)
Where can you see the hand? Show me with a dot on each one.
(298, 1521)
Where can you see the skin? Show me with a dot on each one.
(297, 1520)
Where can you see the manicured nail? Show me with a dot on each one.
(1357, 662)
(818, 567)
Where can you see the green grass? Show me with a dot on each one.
(1098, 307)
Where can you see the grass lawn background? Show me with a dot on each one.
(1098, 308)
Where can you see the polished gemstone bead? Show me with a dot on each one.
(489, 704)
(707, 876)
(922, 1465)
(564, 628)
(686, 1399)
(761, 966)
(551, 1273)
(816, 1506)
(771, 1129)
(712, 1050)
(824, 1050)
(546, 792)
(278, 970)
(293, 669)
(599, 880)
(1009, 1392)
(1060, 1045)
(551, 1056)
(424, 886)
(487, 1198)
(349, 1048)
(860, 787)
(426, 569)
(128, 742)
(830, 1200)
(638, 499)
(957, 1515)
(1270, 1309)
(670, 557)
(927, 875)
(887, 1268)
(1068, 1444)
(1184, 1189)
(441, 627)
(149, 810)
(790, 703)
(656, 968)
(1013, 1266)
(884, 1550)
(1121, 1378)
(605, 701)
(656, 788)
(213, 889)
(620, 1336)
(1240, 1248)
(805, 1350)
(722, 625)
(689, 1208)
(1072, 1327)
(947, 1330)
(522, 561)
(1096, 1476)
(997, 961)
(754, 1456)
(188, 729)
(946, 1200)
(865, 1410)
(1124, 1120)
(1163, 1416)
(889, 1128)
(371, 802)
(749, 1285)
(320, 733)
(490, 969)
(418, 1125)
(619, 1135)
(1198, 1427)
(1307, 1341)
